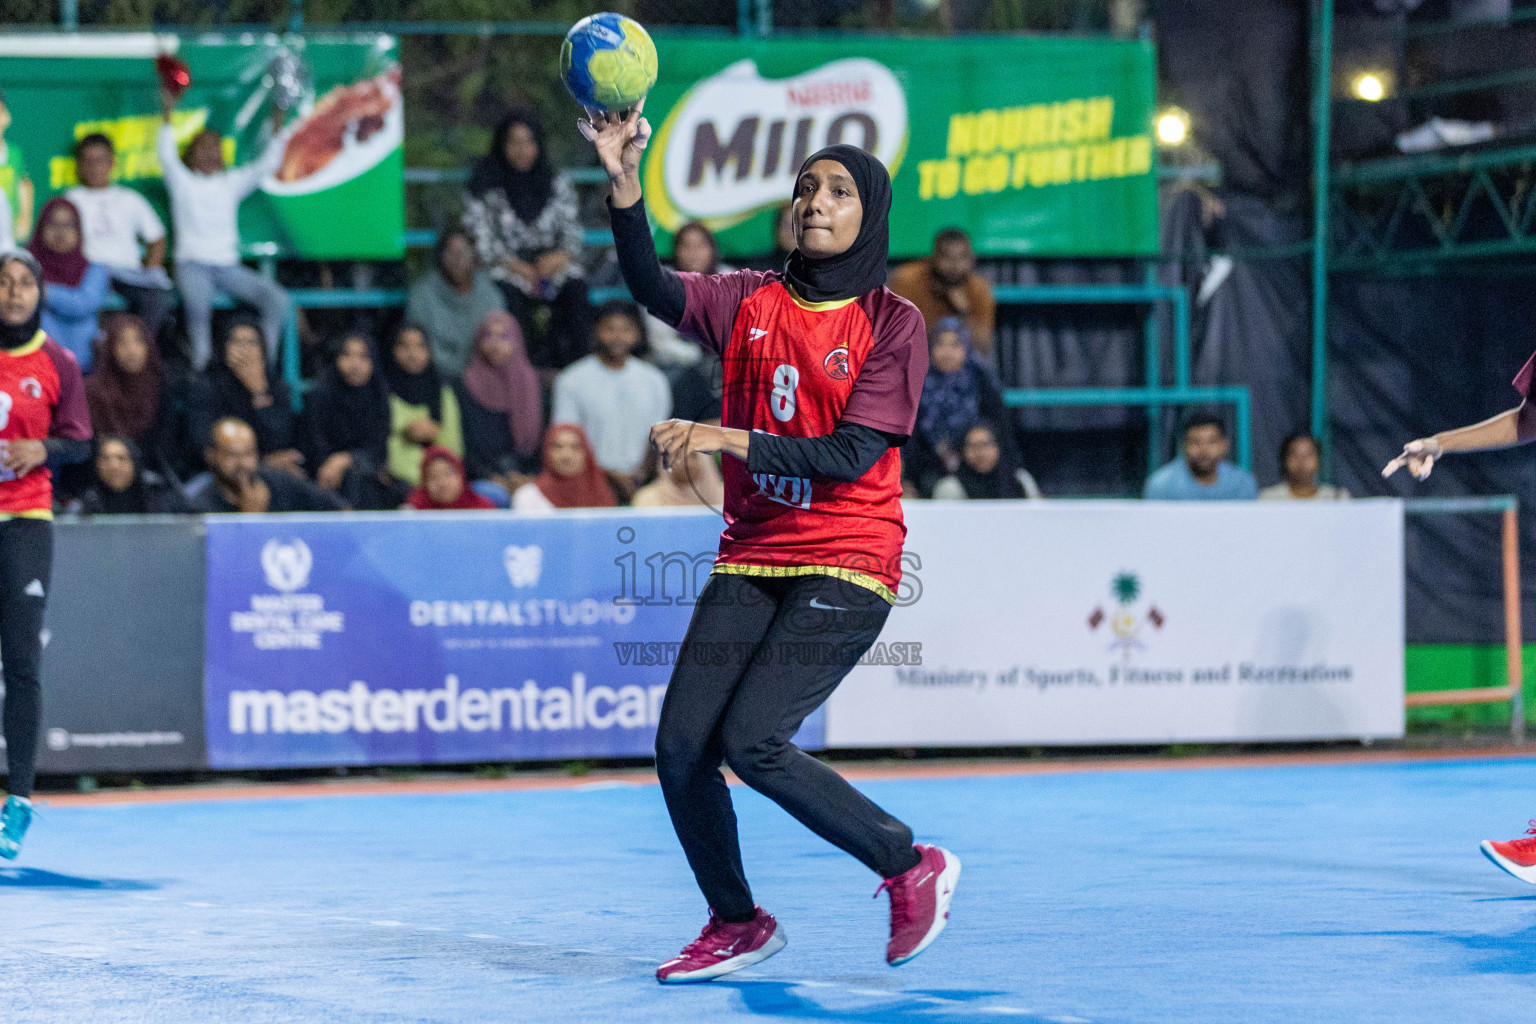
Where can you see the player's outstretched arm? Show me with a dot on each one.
(620, 140)
(1507, 429)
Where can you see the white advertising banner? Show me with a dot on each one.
(1102, 622)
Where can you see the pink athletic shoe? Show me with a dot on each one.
(920, 903)
(1518, 856)
(723, 947)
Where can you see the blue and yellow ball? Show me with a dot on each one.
(608, 62)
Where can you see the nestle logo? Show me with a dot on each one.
(821, 94)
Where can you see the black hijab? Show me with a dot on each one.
(100, 499)
(13, 336)
(424, 388)
(861, 268)
(1002, 482)
(527, 192)
(348, 418)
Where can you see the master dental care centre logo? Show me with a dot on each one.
(451, 707)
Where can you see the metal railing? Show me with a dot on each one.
(1507, 507)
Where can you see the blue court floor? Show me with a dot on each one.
(1297, 894)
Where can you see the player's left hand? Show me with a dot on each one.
(22, 457)
(674, 439)
(1419, 456)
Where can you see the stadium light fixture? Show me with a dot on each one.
(1173, 127)
(1370, 86)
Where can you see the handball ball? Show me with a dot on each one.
(608, 62)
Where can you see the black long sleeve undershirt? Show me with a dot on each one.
(844, 455)
(66, 451)
(654, 286)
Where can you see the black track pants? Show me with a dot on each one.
(26, 565)
(760, 655)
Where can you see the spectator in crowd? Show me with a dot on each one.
(1300, 459)
(126, 389)
(7, 238)
(524, 221)
(571, 476)
(205, 209)
(503, 409)
(946, 284)
(15, 183)
(240, 483)
(614, 396)
(1203, 474)
(958, 393)
(346, 427)
(120, 485)
(694, 250)
(453, 300)
(691, 481)
(423, 408)
(238, 386)
(74, 288)
(984, 470)
(443, 487)
(122, 233)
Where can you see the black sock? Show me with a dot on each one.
(737, 918)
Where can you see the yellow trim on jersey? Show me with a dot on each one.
(817, 307)
(847, 575)
(31, 513)
(30, 347)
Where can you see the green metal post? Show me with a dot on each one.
(296, 16)
(1154, 363)
(1322, 110)
(69, 14)
(744, 17)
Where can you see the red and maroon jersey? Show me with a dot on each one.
(41, 395)
(797, 369)
(1523, 378)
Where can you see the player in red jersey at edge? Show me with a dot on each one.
(1509, 428)
(823, 367)
(43, 420)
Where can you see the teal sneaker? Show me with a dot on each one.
(14, 819)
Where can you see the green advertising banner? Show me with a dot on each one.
(1035, 146)
(339, 193)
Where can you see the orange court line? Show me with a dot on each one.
(645, 776)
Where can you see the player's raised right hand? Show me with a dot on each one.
(1419, 456)
(620, 140)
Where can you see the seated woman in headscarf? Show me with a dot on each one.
(423, 408)
(120, 485)
(443, 486)
(694, 480)
(236, 385)
(958, 393)
(74, 288)
(985, 471)
(452, 299)
(503, 409)
(571, 477)
(346, 427)
(526, 228)
(126, 389)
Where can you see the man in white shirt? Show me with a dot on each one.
(122, 232)
(205, 208)
(614, 396)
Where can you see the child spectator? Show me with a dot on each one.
(116, 222)
(523, 218)
(346, 427)
(15, 183)
(126, 388)
(984, 472)
(946, 285)
(1203, 474)
(238, 387)
(120, 485)
(692, 481)
(238, 482)
(453, 300)
(958, 393)
(614, 396)
(503, 407)
(1300, 459)
(423, 408)
(74, 288)
(205, 210)
(443, 486)
(571, 476)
